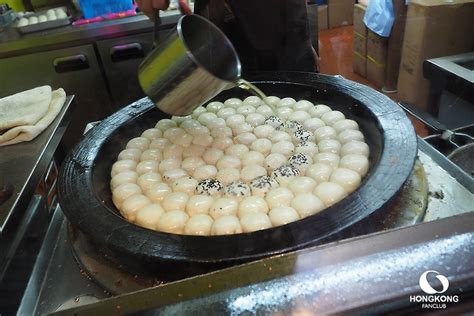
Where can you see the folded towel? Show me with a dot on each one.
(25, 115)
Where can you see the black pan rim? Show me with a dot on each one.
(397, 159)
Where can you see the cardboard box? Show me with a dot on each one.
(377, 47)
(359, 26)
(432, 30)
(359, 44)
(376, 72)
(359, 64)
(323, 17)
(340, 12)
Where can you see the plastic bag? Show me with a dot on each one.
(379, 17)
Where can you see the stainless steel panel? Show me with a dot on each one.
(120, 58)
(62, 68)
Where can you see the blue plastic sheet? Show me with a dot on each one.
(379, 17)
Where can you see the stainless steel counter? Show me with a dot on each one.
(23, 164)
(13, 43)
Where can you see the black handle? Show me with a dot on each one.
(156, 29)
(71, 63)
(126, 52)
(424, 117)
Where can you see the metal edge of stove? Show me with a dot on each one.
(456, 172)
(368, 275)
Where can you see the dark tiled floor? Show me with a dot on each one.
(335, 48)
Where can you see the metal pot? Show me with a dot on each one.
(85, 196)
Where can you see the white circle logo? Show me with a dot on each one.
(427, 288)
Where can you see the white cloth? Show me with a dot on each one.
(24, 115)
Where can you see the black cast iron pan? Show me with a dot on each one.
(85, 196)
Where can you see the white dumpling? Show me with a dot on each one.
(158, 191)
(325, 132)
(146, 166)
(346, 124)
(175, 201)
(233, 102)
(235, 120)
(226, 225)
(214, 106)
(250, 172)
(263, 131)
(168, 164)
(279, 197)
(190, 164)
(203, 140)
(307, 204)
(245, 109)
(181, 119)
(252, 158)
(152, 133)
(149, 216)
(185, 184)
(252, 204)
(252, 100)
(350, 135)
(194, 151)
(197, 129)
(228, 162)
(274, 121)
(262, 145)
(308, 148)
(347, 178)
(237, 190)
(303, 105)
(228, 175)
(332, 117)
(198, 111)
(212, 155)
(217, 123)
(355, 147)
(172, 222)
(329, 193)
(130, 154)
(302, 136)
(222, 143)
(329, 146)
(358, 163)
(190, 125)
(206, 118)
(285, 148)
(272, 100)
(199, 204)
(302, 185)
(164, 124)
(221, 132)
(205, 172)
(122, 166)
(123, 191)
(199, 225)
(313, 124)
(245, 139)
(319, 172)
(173, 151)
(159, 143)
(147, 180)
(132, 204)
(279, 136)
(284, 112)
(274, 161)
(123, 177)
(283, 215)
(226, 112)
(211, 187)
(255, 221)
(242, 128)
(300, 161)
(255, 119)
(318, 110)
(299, 116)
(236, 150)
(223, 206)
(151, 154)
(327, 158)
(265, 110)
(288, 102)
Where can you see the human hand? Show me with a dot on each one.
(149, 6)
